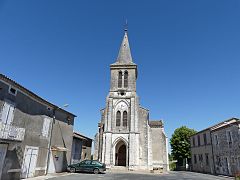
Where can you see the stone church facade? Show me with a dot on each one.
(126, 136)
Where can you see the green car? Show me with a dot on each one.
(88, 166)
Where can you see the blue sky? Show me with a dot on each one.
(187, 51)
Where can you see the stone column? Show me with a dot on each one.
(132, 120)
(103, 148)
(137, 149)
(149, 136)
(136, 114)
(132, 151)
(109, 115)
(108, 149)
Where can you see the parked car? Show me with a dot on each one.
(88, 166)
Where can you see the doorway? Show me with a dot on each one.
(3, 150)
(29, 161)
(121, 154)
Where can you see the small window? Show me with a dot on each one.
(119, 79)
(205, 138)
(232, 160)
(118, 118)
(12, 91)
(125, 118)
(229, 138)
(207, 159)
(200, 157)
(218, 160)
(216, 139)
(238, 162)
(195, 159)
(199, 143)
(194, 144)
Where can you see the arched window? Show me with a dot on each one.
(125, 118)
(118, 118)
(125, 79)
(119, 79)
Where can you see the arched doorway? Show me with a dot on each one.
(121, 154)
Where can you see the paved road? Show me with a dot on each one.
(135, 176)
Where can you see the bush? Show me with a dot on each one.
(237, 176)
(172, 166)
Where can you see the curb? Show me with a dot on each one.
(48, 176)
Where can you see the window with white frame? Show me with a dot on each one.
(7, 113)
(46, 126)
(12, 90)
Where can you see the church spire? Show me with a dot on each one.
(124, 55)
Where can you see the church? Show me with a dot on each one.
(126, 137)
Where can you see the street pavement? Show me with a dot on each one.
(181, 175)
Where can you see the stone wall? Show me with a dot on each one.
(159, 149)
(200, 151)
(143, 139)
(226, 152)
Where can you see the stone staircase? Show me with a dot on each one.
(118, 169)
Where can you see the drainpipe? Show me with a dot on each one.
(50, 141)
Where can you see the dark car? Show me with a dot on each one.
(88, 166)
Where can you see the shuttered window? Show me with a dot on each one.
(118, 118)
(125, 118)
(46, 126)
(7, 113)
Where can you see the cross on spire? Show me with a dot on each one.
(126, 25)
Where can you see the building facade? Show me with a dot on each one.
(216, 150)
(81, 148)
(26, 126)
(125, 136)
(226, 147)
(202, 152)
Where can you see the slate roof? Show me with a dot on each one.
(124, 55)
(219, 125)
(80, 136)
(30, 93)
(156, 123)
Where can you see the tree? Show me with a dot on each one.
(180, 143)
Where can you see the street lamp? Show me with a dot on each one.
(50, 138)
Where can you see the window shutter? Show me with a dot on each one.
(7, 113)
(46, 125)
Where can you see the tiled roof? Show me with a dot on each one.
(80, 136)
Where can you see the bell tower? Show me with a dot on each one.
(123, 71)
(126, 137)
(120, 135)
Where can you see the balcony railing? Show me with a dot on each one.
(10, 132)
